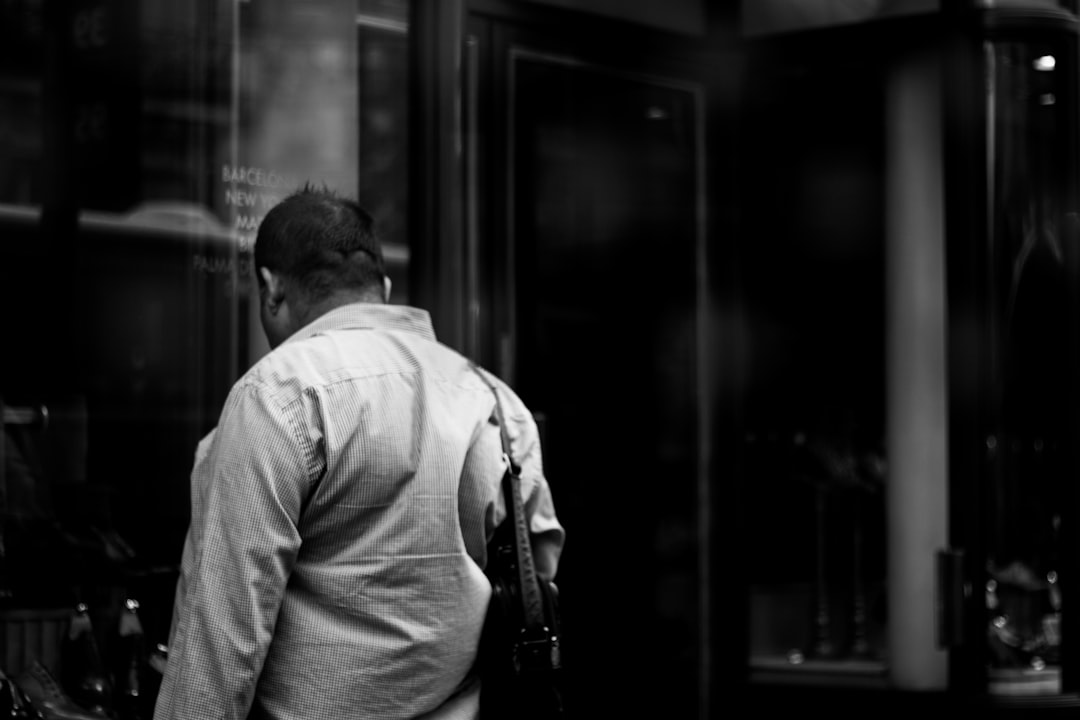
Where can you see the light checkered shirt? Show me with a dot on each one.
(339, 517)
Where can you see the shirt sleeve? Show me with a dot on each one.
(189, 546)
(247, 492)
(482, 484)
(548, 535)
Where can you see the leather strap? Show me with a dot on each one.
(532, 604)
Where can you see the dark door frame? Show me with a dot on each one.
(460, 274)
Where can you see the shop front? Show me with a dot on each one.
(790, 287)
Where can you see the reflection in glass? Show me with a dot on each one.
(1030, 316)
(383, 52)
(155, 134)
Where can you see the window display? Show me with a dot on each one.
(1033, 320)
(140, 145)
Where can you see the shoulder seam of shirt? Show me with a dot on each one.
(260, 386)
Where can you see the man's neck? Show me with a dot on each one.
(308, 314)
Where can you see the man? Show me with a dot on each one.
(340, 510)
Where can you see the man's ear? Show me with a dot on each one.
(386, 288)
(274, 287)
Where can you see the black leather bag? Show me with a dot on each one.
(520, 658)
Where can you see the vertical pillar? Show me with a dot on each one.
(916, 360)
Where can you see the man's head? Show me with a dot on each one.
(315, 251)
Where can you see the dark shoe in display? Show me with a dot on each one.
(158, 659)
(46, 694)
(84, 678)
(129, 662)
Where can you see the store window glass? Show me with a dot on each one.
(812, 271)
(1032, 231)
(141, 143)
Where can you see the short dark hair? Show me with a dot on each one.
(322, 242)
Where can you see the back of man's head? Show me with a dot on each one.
(323, 244)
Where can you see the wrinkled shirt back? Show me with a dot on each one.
(340, 513)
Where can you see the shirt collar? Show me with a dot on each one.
(369, 316)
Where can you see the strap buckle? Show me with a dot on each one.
(537, 654)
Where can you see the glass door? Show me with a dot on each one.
(597, 228)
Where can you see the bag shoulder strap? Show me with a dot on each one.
(532, 604)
